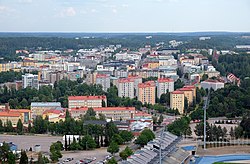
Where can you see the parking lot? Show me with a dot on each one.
(25, 142)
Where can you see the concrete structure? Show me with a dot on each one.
(137, 80)
(177, 101)
(38, 108)
(146, 92)
(126, 88)
(86, 101)
(114, 113)
(164, 85)
(214, 84)
(30, 80)
(103, 80)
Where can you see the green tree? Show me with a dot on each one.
(160, 120)
(113, 148)
(118, 139)
(90, 114)
(19, 126)
(127, 136)
(112, 161)
(142, 140)
(24, 158)
(178, 84)
(55, 151)
(74, 145)
(126, 153)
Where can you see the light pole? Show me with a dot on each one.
(160, 143)
(206, 103)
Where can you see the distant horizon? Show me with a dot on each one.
(124, 16)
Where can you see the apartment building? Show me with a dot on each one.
(126, 88)
(38, 108)
(214, 84)
(164, 85)
(188, 93)
(146, 92)
(137, 80)
(114, 113)
(86, 101)
(177, 101)
(30, 80)
(103, 80)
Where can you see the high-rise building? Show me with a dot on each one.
(137, 80)
(146, 92)
(126, 88)
(30, 80)
(103, 80)
(177, 99)
(164, 85)
(86, 101)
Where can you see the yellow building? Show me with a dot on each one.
(152, 65)
(54, 115)
(11, 116)
(146, 92)
(188, 93)
(177, 101)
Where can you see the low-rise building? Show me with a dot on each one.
(114, 113)
(86, 101)
(38, 108)
(214, 84)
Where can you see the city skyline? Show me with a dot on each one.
(124, 16)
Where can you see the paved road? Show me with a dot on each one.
(25, 142)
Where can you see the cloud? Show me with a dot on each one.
(5, 9)
(67, 12)
(114, 10)
(25, 1)
(124, 5)
(93, 10)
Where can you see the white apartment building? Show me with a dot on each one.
(126, 88)
(164, 85)
(30, 80)
(214, 84)
(103, 80)
(86, 101)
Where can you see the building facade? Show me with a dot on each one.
(114, 113)
(126, 88)
(86, 101)
(30, 80)
(38, 108)
(164, 85)
(208, 84)
(177, 99)
(146, 92)
(103, 80)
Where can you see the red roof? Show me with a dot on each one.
(177, 92)
(125, 80)
(87, 98)
(146, 84)
(185, 89)
(165, 80)
(105, 109)
(9, 114)
(140, 113)
(189, 86)
(102, 76)
(52, 111)
(20, 110)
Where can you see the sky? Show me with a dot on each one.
(124, 15)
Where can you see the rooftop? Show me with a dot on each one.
(177, 92)
(45, 104)
(104, 109)
(165, 80)
(87, 97)
(146, 84)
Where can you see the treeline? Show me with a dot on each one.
(180, 127)
(239, 65)
(230, 101)
(10, 76)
